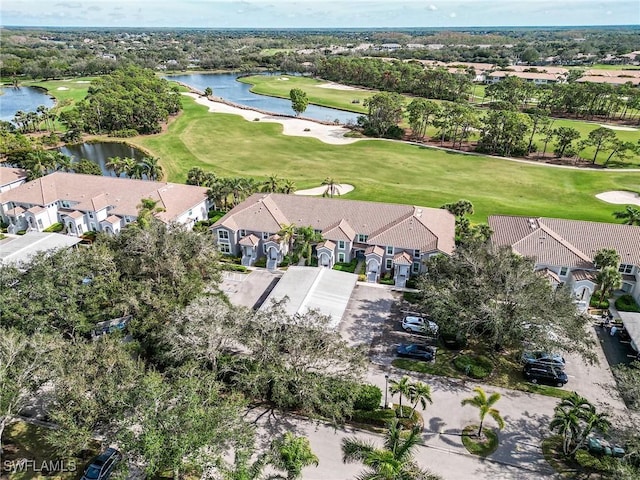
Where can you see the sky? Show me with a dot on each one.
(317, 13)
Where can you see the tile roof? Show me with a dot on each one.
(326, 244)
(569, 243)
(72, 213)
(112, 219)
(581, 274)
(14, 212)
(9, 175)
(402, 258)
(550, 274)
(93, 192)
(411, 227)
(249, 240)
(36, 210)
(612, 80)
(374, 250)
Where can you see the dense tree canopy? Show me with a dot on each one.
(128, 98)
(496, 294)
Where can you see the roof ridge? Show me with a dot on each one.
(395, 222)
(563, 242)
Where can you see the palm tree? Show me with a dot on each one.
(291, 454)
(151, 168)
(333, 187)
(62, 161)
(129, 166)
(241, 468)
(608, 278)
(575, 418)
(271, 184)
(116, 164)
(147, 210)
(401, 387)
(420, 393)
(305, 238)
(288, 186)
(392, 462)
(485, 406)
(630, 215)
(288, 232)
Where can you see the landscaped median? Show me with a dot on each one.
(500, 370)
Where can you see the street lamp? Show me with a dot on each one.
(386, 390)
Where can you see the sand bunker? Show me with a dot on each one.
(283, 78)
(62, 88)
(617, 127)
(333, 134)
(620, 197)
(342, 189)
(83, 81)
(337, 86)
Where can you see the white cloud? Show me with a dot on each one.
(453, 15)
(433, 8)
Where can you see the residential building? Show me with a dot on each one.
(565, 249)
(84, 203)
(532, 77)
(11, 177)
(390, 239)
(635, 81)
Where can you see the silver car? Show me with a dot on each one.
(411, 324)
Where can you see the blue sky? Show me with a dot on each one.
(318, 13)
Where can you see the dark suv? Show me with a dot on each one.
(538, 373)
(102, 466)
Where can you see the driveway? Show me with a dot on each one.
(249, 289)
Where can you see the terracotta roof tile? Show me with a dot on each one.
(570, 243)
(424, 228)
(326, 244)
(581, 274)
(374, 250)
(249, 240)
(402, 258)
(9, 175)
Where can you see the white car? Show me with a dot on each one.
(412, 324)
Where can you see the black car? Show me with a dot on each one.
(537, 373)
(102, 466)
(420, 352)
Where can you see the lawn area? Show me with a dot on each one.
(603, 66)
(507, 373)
(73, 89)
(26, 441)
(381, 170)
(274, 85)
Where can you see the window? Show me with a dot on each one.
(389, 250)
(190, 212)
(40, 222)
(90, 214)
(341, 244)
(317, 232)
(625, 268)
(224, 247)
(341, 257)
(362, 238)
(416, 267)
(564, 271)
(265, 235)
(389, 264)
(223, 234)
(243, 233)
(416, 254)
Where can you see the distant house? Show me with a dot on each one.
(635, 81)
(84, 203)
(11, 177)
(391, 239)
(564, 249)
(532, 77)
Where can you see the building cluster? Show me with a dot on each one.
(393, 241)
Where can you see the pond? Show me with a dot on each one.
(226, 86)
(27, 99)
(100, 152)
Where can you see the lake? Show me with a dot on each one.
(26, 99)
(100, 152)
(226, 86)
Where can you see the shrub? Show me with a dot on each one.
(346, 267)
(362, 277)
(626, 303)
(231, 267)
(21, 232)
(475, 366)
(596, 303)
(261, 262)
(215, 215)
(201, 226)
(56, 227)
(368, 398)
(387, 279)
(124, 133)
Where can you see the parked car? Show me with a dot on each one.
(411, 324)
(102, 466)
(544, 358)
(540, 373)
(420, 352)
(596, 446)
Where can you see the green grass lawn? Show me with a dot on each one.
(66, 91)
(275, 85)
(381, 170)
